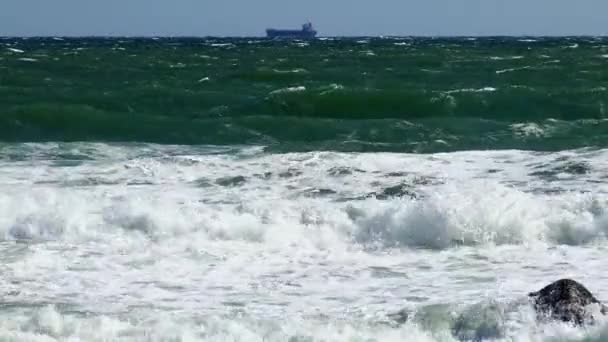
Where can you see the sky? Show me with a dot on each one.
(330, 17)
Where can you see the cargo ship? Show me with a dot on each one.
(307, 32)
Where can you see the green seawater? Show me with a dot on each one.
(356, 94)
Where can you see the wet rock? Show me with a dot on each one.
(568, 301)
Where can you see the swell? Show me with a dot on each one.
(332, 101)
(402, 94)
(41, 123)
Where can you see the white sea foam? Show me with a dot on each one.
(502, 71)
(226, 45)
(331, 88)
(501, 58)
(528, 129)
(292, 71)
(229, 243)
(288, 90)
(484, 321)
(472, 90)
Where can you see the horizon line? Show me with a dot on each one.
(316, 38)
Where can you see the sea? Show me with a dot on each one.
(339, 189)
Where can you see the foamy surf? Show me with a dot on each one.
(300, 246)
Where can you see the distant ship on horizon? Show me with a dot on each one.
(307, 32)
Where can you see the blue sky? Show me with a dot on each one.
(331, 17)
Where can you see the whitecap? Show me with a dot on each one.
(222, 45)
(528, 129)
(292, 71)
(502, 71)
(472, 90)
(498, 58)
(288, 90)
(332, 88)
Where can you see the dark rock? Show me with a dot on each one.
(567, 301)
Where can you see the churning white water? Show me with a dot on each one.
(140, 242)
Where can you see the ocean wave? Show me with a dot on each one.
(199, 97)
(339, 116)
(436, 323)
(497, 216)
(445, 217)
(293, 133)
